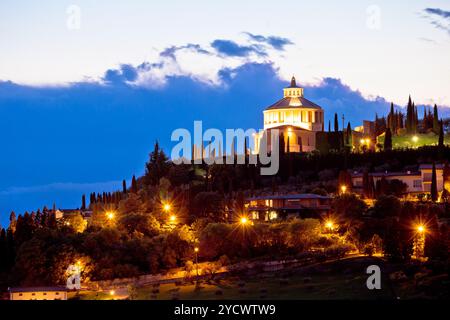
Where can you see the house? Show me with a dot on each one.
(416, 181)
(271, 207)
(38, 293)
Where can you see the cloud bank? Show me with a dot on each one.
(57, 140)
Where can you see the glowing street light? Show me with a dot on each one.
(343, 188)
(329, 225)
(167, 207)
(243, 221)
(110, 215)
(196, 250)
(421, 229)
(173, 218)
(415, 139)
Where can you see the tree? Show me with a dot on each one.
(209, 204)
(83, 202)
(157, 167)
(441, 135)
(387, 206)
(348, 136)
(25, 228)
(435, 120)
(124, 186)
(391, 119)
(336, 123)
(348, 206)
(134, 187)
(77, 222)
(434, 191)
(388, 140)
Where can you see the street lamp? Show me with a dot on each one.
(329, 225)
(419, 241)
(196, 250)
(110, 215)
(167, 207)
(421, 229)
(344, 189)
(415, 139)
(243, 221)
(173, 218)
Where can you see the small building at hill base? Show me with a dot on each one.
(38, 293)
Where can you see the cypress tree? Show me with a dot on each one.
(336, 123)
(409, 116)
(391, 118)
(441, 135)
(134, 187)
(348, 137)
(435, 120)
(416, 119)
(83, 202)
(329, 125)
(434, 191)
(124, 186)
(388, 140)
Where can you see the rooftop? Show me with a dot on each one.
(296, 196)
(293, 102)
(37, 289)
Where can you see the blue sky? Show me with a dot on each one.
(87, 87)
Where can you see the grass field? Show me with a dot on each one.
(345, 279)
(414, 140)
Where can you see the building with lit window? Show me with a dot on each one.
(416, 181)
(38, 293)
(297, 118)
(272, 207)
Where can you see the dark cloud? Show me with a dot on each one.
(126, 72)
(232, 49)
(276, 42)
(170, 51)
(439, 18)
(438, 12)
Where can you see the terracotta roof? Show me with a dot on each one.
(293, 102)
